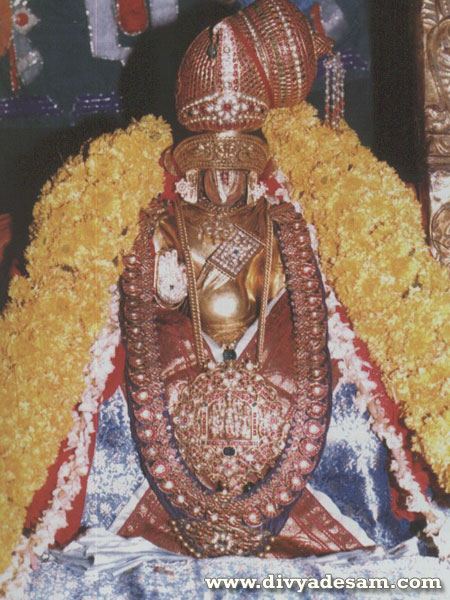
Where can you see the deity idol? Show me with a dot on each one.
(229, 377)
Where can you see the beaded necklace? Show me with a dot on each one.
(228, 519)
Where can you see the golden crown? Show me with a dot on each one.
(225, 150)
(260, 58)
(232, 74)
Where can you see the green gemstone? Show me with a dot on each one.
(229, 354)
(212, 51)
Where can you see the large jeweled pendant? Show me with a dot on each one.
(231, 426)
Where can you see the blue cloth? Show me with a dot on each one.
(186, 579)
(115, 472)
(352, 472)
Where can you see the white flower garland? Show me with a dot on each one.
(15, 579)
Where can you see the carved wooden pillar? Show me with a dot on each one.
(435, 18)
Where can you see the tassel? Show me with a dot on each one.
(334, 90)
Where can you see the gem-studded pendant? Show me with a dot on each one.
(230, 425)
(229, 354)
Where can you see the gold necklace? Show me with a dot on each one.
(217, 225)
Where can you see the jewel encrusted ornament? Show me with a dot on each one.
(230, 426)
(238, 506)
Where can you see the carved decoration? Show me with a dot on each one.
(435, 16)
(441, 233)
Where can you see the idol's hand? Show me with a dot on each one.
(171, 280)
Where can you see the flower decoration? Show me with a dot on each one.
(374, 253)
(24, 20)
(25, 62)
(372, 248)
(86, 217)
(227, 108)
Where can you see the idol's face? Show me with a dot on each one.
(224, 187)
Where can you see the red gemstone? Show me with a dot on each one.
(146, 434)
(318, 391)
(316, 409)
(253, 518)
(283, 496)
(297, 483)
(227, 107)
(309, 448)
(269, 509)
(22, 19)
(159, 469)
(146, 416)
(304, 466)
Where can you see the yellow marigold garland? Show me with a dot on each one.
(372, 247)
(373, 250)
(86, 217)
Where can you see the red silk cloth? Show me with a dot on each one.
(310, 529)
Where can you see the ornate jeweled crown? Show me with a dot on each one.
(260, 58)
(232, 74)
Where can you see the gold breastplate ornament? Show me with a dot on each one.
(229, 423)
(231, 426)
